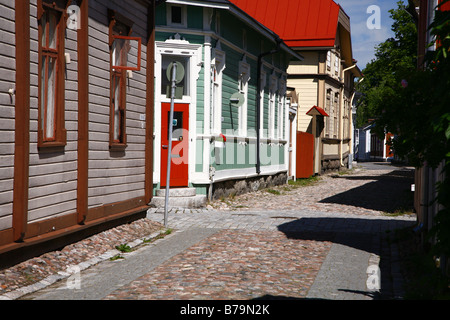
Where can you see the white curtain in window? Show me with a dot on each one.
(51, 93)
(43, 90)
(52, 31)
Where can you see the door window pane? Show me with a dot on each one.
(177, 130)
(165, 82)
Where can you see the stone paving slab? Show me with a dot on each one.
(234, 264)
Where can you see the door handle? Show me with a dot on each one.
(165, 147)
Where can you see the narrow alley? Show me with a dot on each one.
(316, 241)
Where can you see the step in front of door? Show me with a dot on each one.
(177, 192)
(179, 198)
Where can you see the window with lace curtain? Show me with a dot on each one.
(51, 30)
(119, 31)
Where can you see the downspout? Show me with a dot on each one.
(258, 101)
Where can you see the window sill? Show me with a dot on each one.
(117, 147)
(51, 147)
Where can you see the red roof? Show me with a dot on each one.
(445, 6)
(299, 23)
(317, 111)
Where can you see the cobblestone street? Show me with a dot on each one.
(290, 241)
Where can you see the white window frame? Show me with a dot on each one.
(336, 115)
(329, 110)
(217, 67)
(177, 46)
(328, 60)
(183, 15)
(336, 65)
(261, 114)
(272, 95)
(281, 107)
(244, 78)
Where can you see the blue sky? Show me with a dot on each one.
(364, 39)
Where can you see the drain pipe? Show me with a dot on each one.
(258, 101)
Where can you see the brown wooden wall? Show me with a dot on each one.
(45, 194)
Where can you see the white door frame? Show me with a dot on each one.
(179, 47)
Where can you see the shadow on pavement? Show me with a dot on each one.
(367, 235)
(387, 193)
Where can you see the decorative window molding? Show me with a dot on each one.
(261, 114)
(52, 19)
(281, 107)
(217, 67)
(179, 47)
(273, 87)
(244, 78)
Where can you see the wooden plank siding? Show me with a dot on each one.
(239, 40)
(52, 176)
(49, 193)
(114, 176)
(7, 114)
(308, 89)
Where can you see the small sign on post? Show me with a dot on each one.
(175, 73)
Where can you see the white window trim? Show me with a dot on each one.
(178, 47)
(218, 64)
(261, 114)
(272, 94)
(329, 60)
(244, 78)
(281, 107)
(329, 110)
(336, 65)
(183, 15)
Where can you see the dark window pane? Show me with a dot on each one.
(177, 131)
(176, 14)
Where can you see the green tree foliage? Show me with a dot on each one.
(393, 58)
(414, 104)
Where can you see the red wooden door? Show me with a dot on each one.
(389, 152)
(305, 155)
(180, 138)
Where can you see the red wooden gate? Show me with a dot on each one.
(305, 155)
